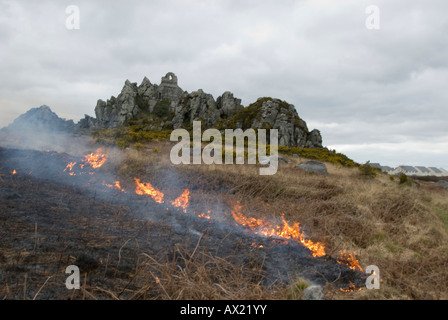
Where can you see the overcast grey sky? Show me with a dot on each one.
(378, 95)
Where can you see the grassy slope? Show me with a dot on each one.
(400, 228)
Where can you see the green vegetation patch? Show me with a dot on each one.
(320, 154)
(126, 136)
(162, 108)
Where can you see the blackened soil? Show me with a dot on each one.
(49, 220)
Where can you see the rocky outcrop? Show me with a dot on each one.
(314, 139)
(134, 99)
(195, 106)
(269, 113)
(88, 123)
(181, 108)
(227, 105)
(117, 110)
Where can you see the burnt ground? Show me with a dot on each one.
(49, 220)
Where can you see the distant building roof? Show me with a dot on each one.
(413, 170)
(423, 169)
(435, 169)
(408, 168)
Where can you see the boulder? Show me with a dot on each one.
(443, 183)
(313, 292)
(313, 166)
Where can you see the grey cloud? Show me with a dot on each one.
(384, 86)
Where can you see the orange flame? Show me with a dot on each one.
(116, 185)
(147, 188)
(70, 168)
(351, 288)
(182, 200)
(95, 160)
(349, 259)
(285, 231)
(107, 185)
(14, 172)
(204, 216)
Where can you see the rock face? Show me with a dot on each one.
(227, 105)
(133, 99)
(268, 113)
(117, 110)
(194, 106)
(313, 166)
(181, 108)
(314, 139)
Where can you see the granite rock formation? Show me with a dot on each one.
(181, 108)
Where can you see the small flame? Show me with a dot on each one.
(147, 188)
(349, 259)
(204, 216)
(14, 172)
(285, 231)
(116, 185)
(351, 288)
(95, 160)
(70, 166)
(182, 200)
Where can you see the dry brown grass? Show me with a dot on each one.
(400, 228)
(198, 274)
(403, 229)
